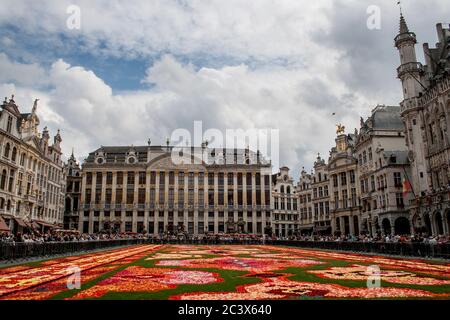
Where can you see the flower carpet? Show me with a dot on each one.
(183, 272)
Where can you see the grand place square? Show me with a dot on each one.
(321, 171)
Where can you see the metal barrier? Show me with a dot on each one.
(17, 251)
(418, 249)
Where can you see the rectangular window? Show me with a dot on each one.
(98, 195)
(153, 177)
(119, 178)
(119, 196)
(141, 196)
(181, 178)
(9, 125)
(181, 198)
(99, 179)
(211, 179)
(191, 180)
(142, 178)
(397, 179)
(130, 196)
(249, 197)
(343, 178)
(344, 199)
(88, 196)
(201, 178)
(109, 178)
(161, 195)
(230, 179)
(211, 197)
(130, 178)
(88, 178)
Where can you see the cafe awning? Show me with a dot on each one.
(21, 223)
(3, 226)
(48, 225)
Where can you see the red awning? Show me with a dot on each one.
(45, 224)
(21, 223)
(3, 226)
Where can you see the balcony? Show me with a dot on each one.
(408, 68)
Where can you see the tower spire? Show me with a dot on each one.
(403, 25)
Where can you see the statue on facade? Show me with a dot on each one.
(35, 106)
(340, 129)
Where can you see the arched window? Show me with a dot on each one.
(2, 203)
(14, 154)
(22, 159)
(6, 153)
(282, 189)
(3, 180)
(288, 190)
(11, 181)
(8, 205)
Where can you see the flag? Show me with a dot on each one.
(407, 188)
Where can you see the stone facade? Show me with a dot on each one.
(285, 201)
(73, 194)
(142, 189)
(304, 194)
(425, 111)
(344, 199)
(32, 180)
(383, 167)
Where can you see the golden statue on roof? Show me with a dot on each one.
(340, 129)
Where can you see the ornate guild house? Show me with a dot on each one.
(32, 180)
(143, 189)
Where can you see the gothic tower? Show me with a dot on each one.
(410, 73)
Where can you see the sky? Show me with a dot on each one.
(138, 70)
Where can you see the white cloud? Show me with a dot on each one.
(21, 74)
(232, 97)
(298, 61)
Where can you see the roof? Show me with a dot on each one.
(387, 118)
(118, 154)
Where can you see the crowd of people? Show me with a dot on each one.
(65, 236)
(417, 238)
(74, 236)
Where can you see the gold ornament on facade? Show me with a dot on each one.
(340, 129)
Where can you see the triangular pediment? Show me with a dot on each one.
(34, 142)
(169, 162)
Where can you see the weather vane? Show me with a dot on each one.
(399, 3)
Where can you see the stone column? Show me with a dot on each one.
(351, 223)
(196, 203)
(147, 201)
(102, 201)
(254, 216)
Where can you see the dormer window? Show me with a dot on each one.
(131, 156)
(9, 125)
(100, 157)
